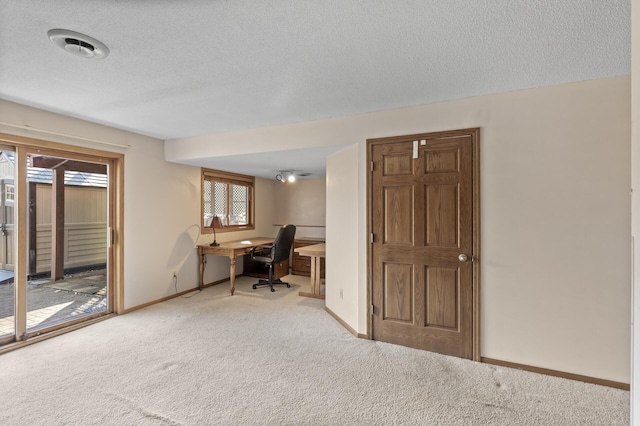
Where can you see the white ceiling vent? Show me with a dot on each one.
(78, 44)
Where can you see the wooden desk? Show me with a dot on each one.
(230, 249)
(301, 265)
(316, 252)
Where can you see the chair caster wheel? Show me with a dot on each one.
(254, 287)
(273, 289)
(288, 286)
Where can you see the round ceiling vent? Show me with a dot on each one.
(78, 44)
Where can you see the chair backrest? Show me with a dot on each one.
(283, 243)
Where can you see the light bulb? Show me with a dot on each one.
(291, 178)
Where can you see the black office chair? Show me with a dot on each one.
(274, 253)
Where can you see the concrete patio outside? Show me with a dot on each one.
(51, 303)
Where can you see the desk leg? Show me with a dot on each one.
(315, 280)
(318, 278)
(201, 274)
(315, 287)
(232, 274)
(316, 271)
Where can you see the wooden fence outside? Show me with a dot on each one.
(85, 229)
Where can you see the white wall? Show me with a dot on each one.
(302, 203)
(161, 211)
(635, 183)
(555, 214)
(363, 239)
(342, 293)
(555, 229)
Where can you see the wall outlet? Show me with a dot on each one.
(340, 293)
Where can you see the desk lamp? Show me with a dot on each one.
(215, 223)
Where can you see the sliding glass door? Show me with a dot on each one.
(57, 213)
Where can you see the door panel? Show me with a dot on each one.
(442, 297)
(398, 164)
(442, 216)
(7, 246)
(422, 220)
(398, 292)
(70, 278)
(398, 226)
(442, 161)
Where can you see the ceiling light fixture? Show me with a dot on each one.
(285, 176)
(78, 44)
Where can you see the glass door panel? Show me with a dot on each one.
(67, 240)
(7, 244)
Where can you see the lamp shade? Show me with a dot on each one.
(216, 222)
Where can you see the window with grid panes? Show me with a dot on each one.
(229, 196)
(9, 193)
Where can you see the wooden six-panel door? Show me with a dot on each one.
(422, 221)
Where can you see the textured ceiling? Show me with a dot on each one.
(193, 67)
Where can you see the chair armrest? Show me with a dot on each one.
(262, 250)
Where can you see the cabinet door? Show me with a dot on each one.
(301, 265)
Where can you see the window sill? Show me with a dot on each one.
(229, 229)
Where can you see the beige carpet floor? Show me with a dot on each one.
(262, 358)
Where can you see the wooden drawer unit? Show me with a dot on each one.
(260, 270)
(301, 265)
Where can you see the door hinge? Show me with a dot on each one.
(372, 166)
(371, 312)
(371, 238)
(111, 236)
